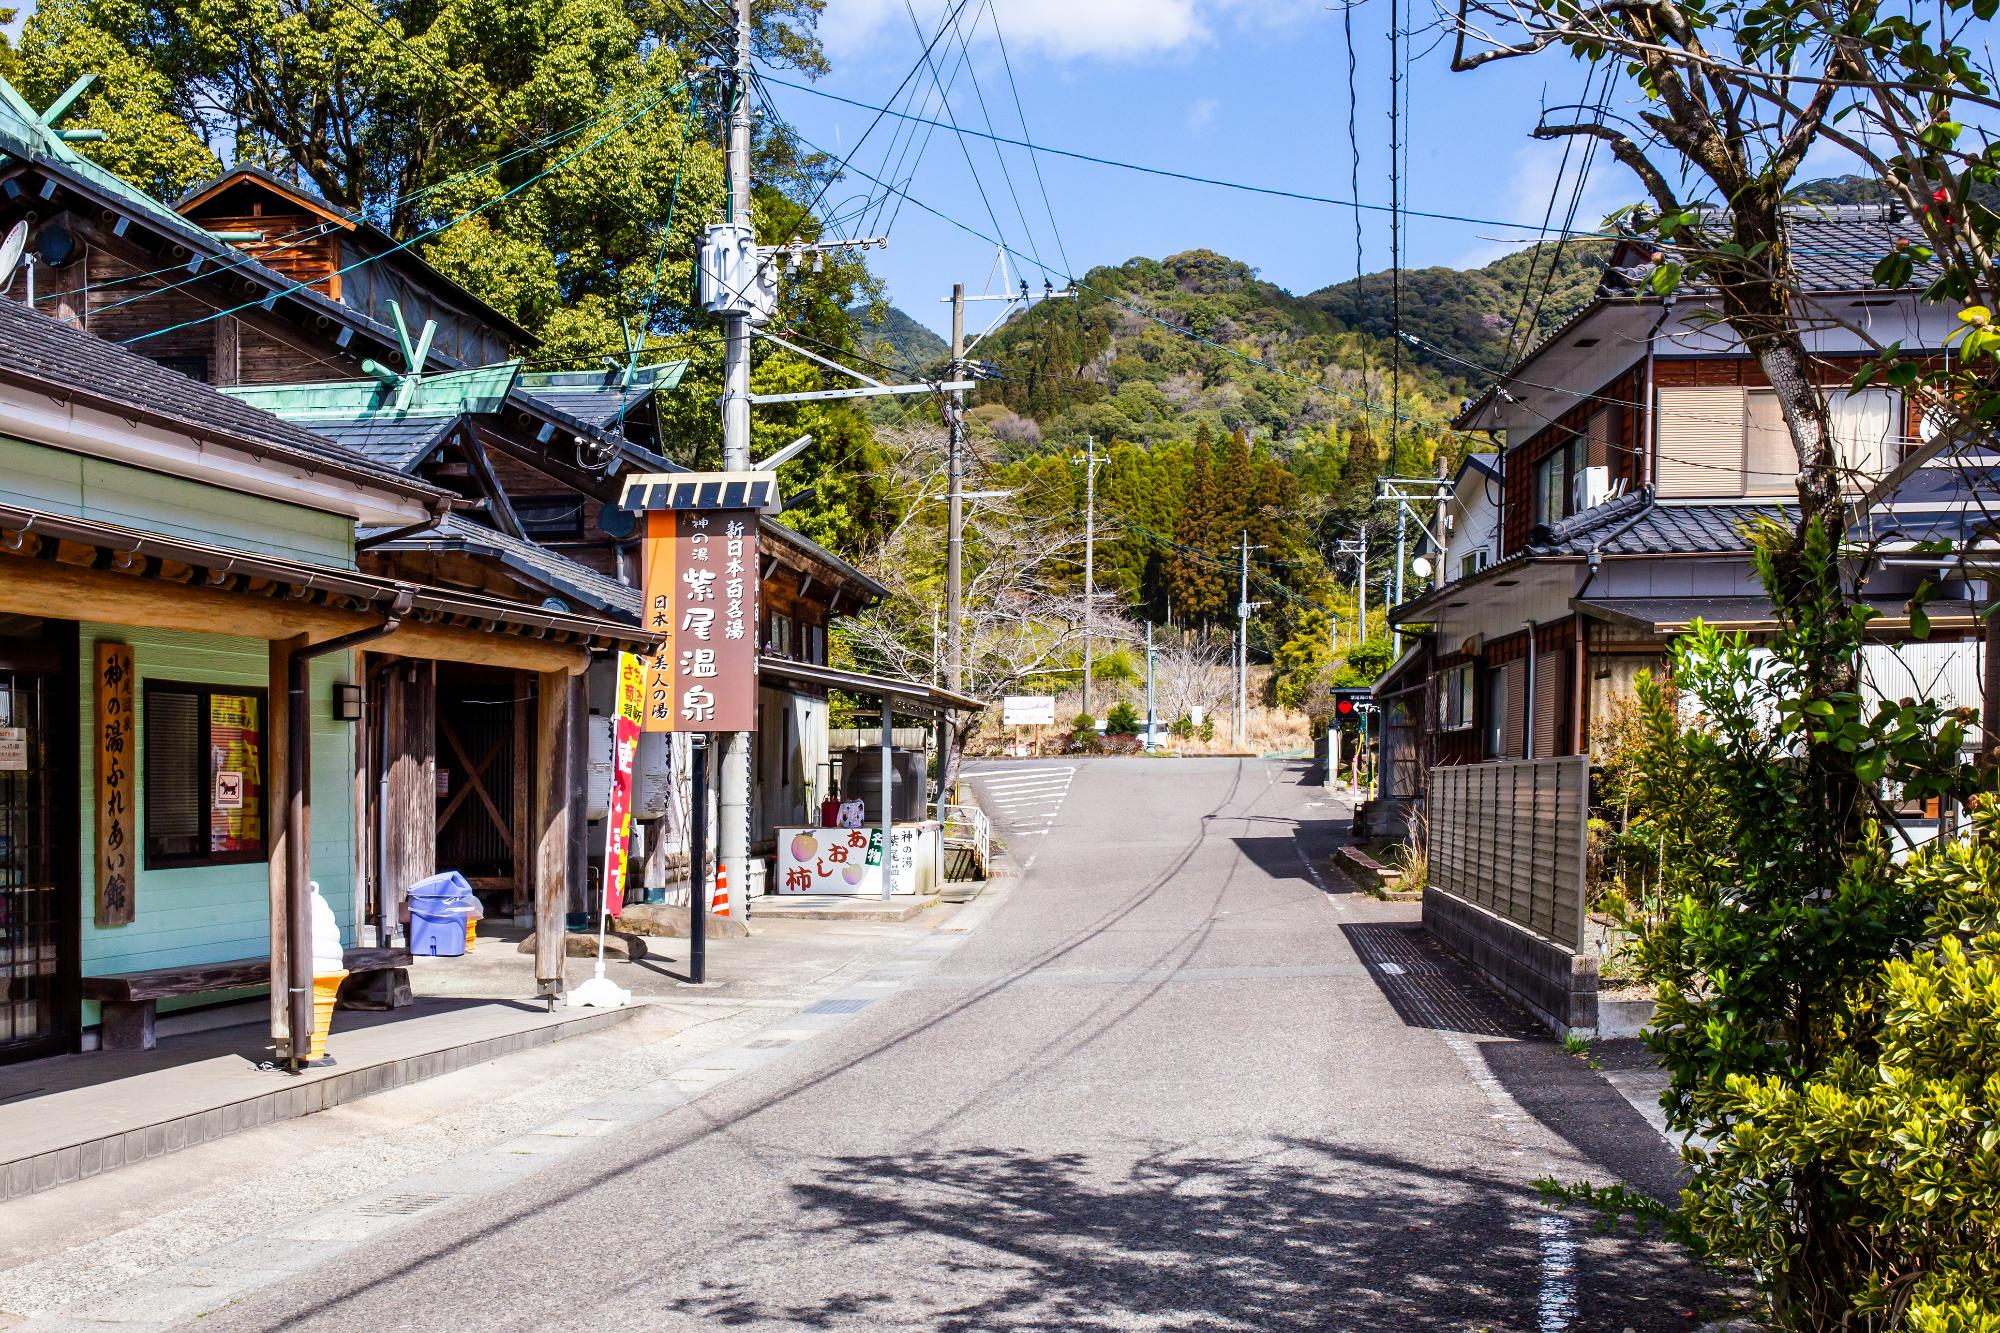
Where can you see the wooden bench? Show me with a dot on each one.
(130, 999)
(377, 978)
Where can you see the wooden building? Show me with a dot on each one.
(181, 619)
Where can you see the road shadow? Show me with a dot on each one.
(1305, 1234)
(1428, 988)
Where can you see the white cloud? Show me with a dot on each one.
(1526, 199)
(1055, 29)
(1201, 111)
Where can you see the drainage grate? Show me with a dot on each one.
(401, 1205)
(839, 1006)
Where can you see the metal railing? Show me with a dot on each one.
(968, 842)
(1513, 837)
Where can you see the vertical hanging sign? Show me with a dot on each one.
(701, 595)
(625, 725)
(117, 735)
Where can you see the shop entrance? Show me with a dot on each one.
(482, 796)
(40, 894)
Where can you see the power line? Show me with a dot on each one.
(1007, 64)
(1141, 311)
(1096, 160)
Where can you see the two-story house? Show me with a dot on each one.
(1638, 444)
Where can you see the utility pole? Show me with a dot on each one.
(732, 818)
(1243, 609)
(1358, 549)
(1242, 639)
(954, 543)
(1149, 685)
(1089, 560)
(1402, 524)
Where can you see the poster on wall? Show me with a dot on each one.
(701, 598)
(847, 861)
(624, 745)
(116, 735)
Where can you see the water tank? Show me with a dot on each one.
(861, 780)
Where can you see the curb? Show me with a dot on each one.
(296, 1096)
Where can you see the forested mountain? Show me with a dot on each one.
(891, 337)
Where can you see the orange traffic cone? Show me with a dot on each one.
(719, 904)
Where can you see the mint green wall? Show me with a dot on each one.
(43, 478)
(215, 913)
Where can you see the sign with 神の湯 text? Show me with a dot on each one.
(701, 596)
(117, 773)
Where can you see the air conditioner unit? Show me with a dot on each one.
(1589, 488)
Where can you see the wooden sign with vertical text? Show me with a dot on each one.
(701, 597)
(117, 742)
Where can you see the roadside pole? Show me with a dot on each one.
(954, 541)
(698, 860)
(733, 786)
(1089, 559)
(1242, 638)
(1149, 685)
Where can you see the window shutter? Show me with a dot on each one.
(1551, 679)
(176, 772)
(1700, 435)
(1515, 731)
(1770, 462)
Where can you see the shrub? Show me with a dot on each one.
(1829, 1019)
(1123, 720)
(1082, 732)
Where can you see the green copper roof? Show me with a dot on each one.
(481, 389)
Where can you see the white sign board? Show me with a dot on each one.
(13, 749)
(834, 860)
(1028, 710)
(228, 790)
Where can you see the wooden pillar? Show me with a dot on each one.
(523, 812)
(277, 749)
(409, 831)
(553, 802)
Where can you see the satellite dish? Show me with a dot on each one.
(1421, 567)
(11, 250)
(617, 522)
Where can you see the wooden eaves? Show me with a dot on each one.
(59, 566)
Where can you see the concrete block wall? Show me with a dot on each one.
(1555, 984)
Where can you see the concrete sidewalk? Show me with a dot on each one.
(126, 1247)
(75, 1117)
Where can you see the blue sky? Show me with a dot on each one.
(1249, 91)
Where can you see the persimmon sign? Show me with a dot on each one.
(701, 597)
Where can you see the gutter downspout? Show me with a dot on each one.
(1528, 699)
(298, 856)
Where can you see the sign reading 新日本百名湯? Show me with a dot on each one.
(701, 597)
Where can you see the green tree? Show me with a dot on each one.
(1196, 584)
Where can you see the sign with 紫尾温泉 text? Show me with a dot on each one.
(701, 598)
(116, 731)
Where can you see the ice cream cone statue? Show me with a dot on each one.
(329, 969)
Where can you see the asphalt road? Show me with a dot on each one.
(1171, 1083)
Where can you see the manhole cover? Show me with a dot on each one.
(401, 1205)
(838, 1006)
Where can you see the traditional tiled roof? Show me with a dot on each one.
(575, 583)
(1639, 524)
(70, 362)
(398, 442)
